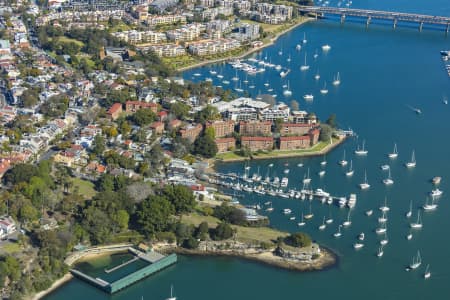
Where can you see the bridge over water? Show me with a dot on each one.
(395, 17)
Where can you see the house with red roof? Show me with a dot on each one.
(114, 111)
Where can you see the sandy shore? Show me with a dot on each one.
(326, 259)
(54, 286)
(250, 51)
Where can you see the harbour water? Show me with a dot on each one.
(384, 74)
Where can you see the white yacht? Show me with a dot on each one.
(361, 236)
(436, 193)
(324, 90)
(358, 245)
(384, 241)
(322, 173)
(365, 185)
(308, 97)
(343, 162)
(380, 251)
(347, 222)
(394, 154)
(427, 273)
(338, 233)
(323, 225)
(337, 80)
(298, 47)
(409, 236)
(409, 212)
(287, 211)
(305, 66)
(361, 151)
(350, 171)
(326, 47)
(418, 224)
(388, 180)
(412, 163)
(302, 222)
(383, 218)
(317, 76)
(172, 297)
(416, 261)
(385, 167)
(429, 206)
(307, 179)
(304, 38)
(369, 212)
(385, 208)
(382, 229)
(310, 215)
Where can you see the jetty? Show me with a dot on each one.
(368, 15)
(154, 262)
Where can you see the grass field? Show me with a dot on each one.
(65, 39)
(245, 234)
(10, 248)
(85, 188)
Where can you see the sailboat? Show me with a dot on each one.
(416, 261)
(429, 206)
(388, 180)
(324, 90)
(365, 185)
(409, 212)
(343, 162)
(418, 224)
(307, 179)
(385, 208)
(382, 229)
(329, 220)
(412, 163)
(302, 222)
(236, 77)
(172, 297)
(269, 209)
(287, 92)
(362, 151)
(308, 97)
(326, 47)
(347, 222)
(358, 245)
(289, 58)
(338, 233)
(361, 236)
(317, 76)
(380, 251)
(383, 218)
(305, 66)
(385, 240)
(323, 162)
(394, 154)
(323, 225)
(427, 273)
(337, 80)
(350, 171)
(304, 38)
(409, 236)
(298, 47)
(310, 215)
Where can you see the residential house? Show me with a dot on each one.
(134, 106)
(191, 132)
(115, 111)
(295, 142)
(295, 129)
(255, 143)
(255, 128)
(158, 127)
(225, 144)
(221, 128)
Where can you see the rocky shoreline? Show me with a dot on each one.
(325, 260)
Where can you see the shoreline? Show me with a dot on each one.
(248, 52)
(55, 285)
(326, 260)
(279, 154)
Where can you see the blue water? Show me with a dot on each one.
(384, 72)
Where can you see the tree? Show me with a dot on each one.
(153, 215)
(202, 231)
(30, 98)
(98, 146)
(298, 239)
(122, 218)
(294, 105)
(331, 121)
(179, 110)
(278, 123)
(181, 197)
(190, 243)
(205, 146)
(144, 116)
(209, 113)
(20, 173)
(325, 132)
(222, 231)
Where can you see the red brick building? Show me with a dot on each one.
(225, 144)
(295, 129)
(314, 136)
(114, 111)
(191, 132)
(158, 127)
(255, 143)
(175, 123)
(134, 106)
(295, 142)
(255, 128)
(221, 128)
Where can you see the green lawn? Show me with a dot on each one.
(245, 234)
(10, 248)
(65, 39)
(85, 188)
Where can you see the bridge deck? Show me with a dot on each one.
(377, 14)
